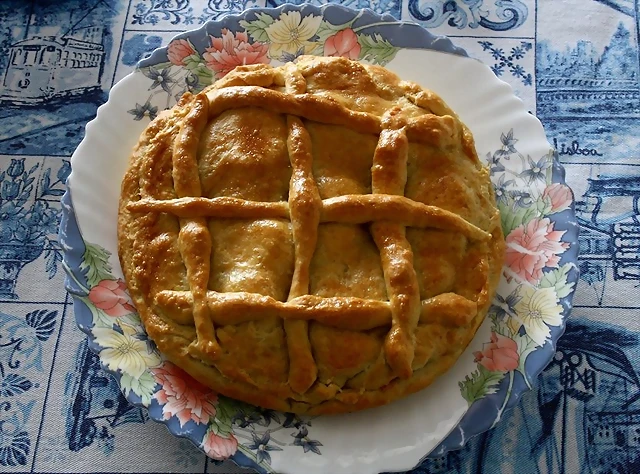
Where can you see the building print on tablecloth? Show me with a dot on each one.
(42, 68)
(583, 61)
(588, 98)
(581, 79)
(610, 238)
(55, 69)
(609, 217)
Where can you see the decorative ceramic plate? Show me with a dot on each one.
(510, 350)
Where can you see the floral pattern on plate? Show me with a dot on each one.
(527, 315)
(230, 426)
(260, 38)
(528, 302)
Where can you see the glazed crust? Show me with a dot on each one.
(315, 238)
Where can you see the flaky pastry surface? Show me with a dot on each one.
(315, 238)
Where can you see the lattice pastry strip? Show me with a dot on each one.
(304, 204)
(194, 239)
(349, 209)
(389, 176)
(358, 314)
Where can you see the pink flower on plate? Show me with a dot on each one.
(231, 50)
(559, 196)
(178, 50)
(217, 447)
(111, 297)
(344, 43)
(499, 355)
(183, 396)
(532, 247)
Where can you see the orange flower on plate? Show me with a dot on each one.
(181, 395)
(178, 50)
(111, 297)
(217, 447)
(559, 196)
(532, 247)
(344, 43)
(231, 50)
(499, 355)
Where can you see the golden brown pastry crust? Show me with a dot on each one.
(317, 238)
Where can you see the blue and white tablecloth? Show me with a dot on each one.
(575, 63)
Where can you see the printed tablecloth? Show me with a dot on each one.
(575, 64)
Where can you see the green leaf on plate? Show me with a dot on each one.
(512, 218)
(257, 28)
(481, 383)
(376, 49)
(95, 262)
(557, 279)
(142, 386)
(543, 206)
(526, 346)
(199, 69)
(100, 318)
(225, 411)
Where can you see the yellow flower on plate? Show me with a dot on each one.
(536, 311)
(291, 33)
(124, 351)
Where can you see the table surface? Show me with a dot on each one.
(575, 64)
